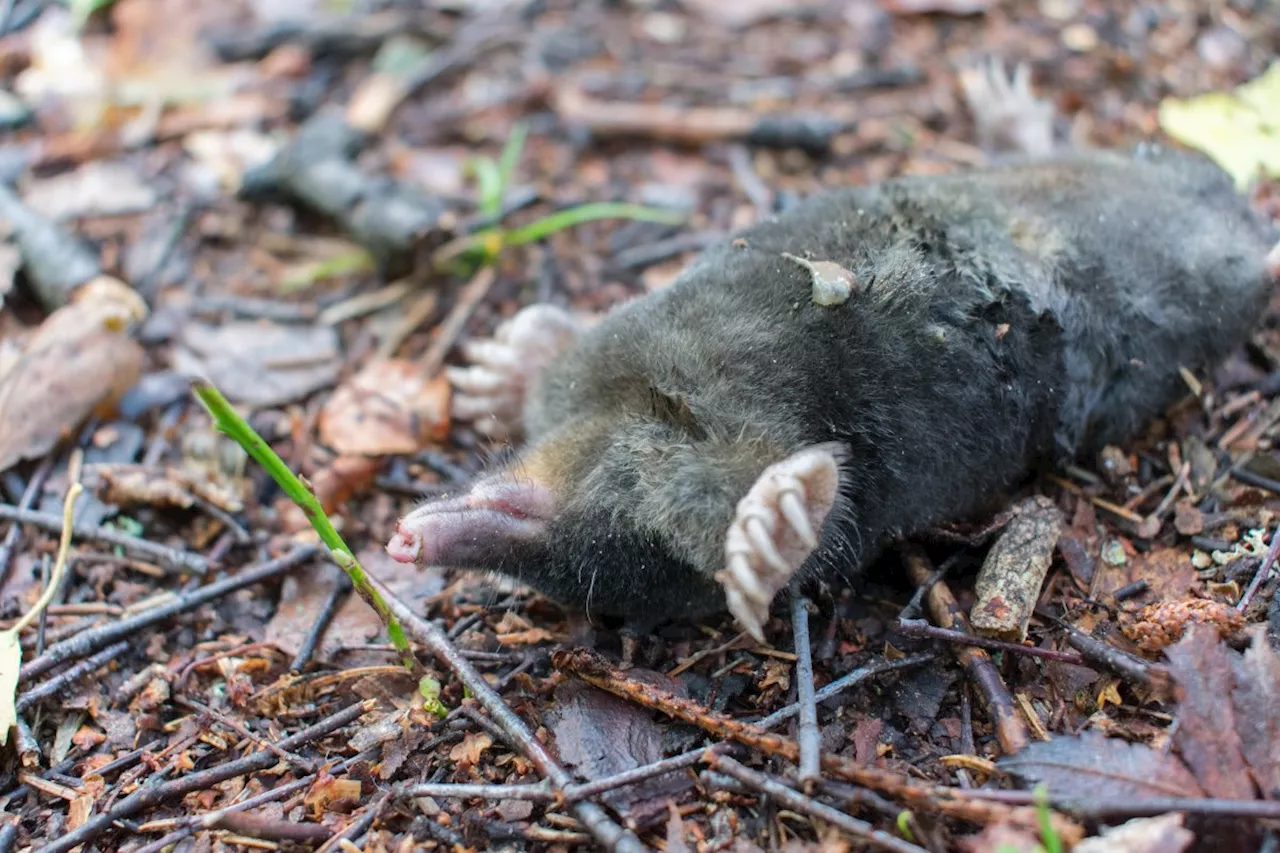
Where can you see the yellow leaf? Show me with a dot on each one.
(10, 663)
(1240, 130)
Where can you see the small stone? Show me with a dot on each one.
(832, 283)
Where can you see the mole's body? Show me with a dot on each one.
(717, 438)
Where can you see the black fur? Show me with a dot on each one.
(1005, 319)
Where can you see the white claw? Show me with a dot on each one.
(792, 509)
(745, 581)
(764, 544)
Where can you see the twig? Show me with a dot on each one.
(1010, 729)
(1140, 807)
(463, 307)
(876, 838)
(9, 830)
(595, 670)
(151, 795)
(174, 558)
(14, 535)
(71, 675)
(308, 648)
(920, 629)
(215, 819)
(297, 761)
(539, 793)
(843, 683)
(90, 641)
(1263, 570)
(593, 818)
(808, 735)
(1132, 669)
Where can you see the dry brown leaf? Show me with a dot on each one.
(1102, 768)
(330, 794)
(1159, 625)
(79, 361)
(1003, 838)
(165, 487)
(527, 638)
(258, 362)
(467, 753)
(1167, 572)
(389, 407)
(1256, 697)
(1162, 834)
(334, 485)
(1207, 737)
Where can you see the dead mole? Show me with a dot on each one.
(875, 361)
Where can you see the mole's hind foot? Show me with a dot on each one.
(774, 530)
(1007, 114)
(491, 392)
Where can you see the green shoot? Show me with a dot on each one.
(1048, 834)
(228, 422)
(507, 162)
(904, 825)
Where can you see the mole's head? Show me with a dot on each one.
(625, 509)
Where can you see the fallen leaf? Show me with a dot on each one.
(389, 407)
(10, 664)
(330, 794)
(1256, 697)
(1101, 768)
(1003, 838)
(95, 189)
(597, 735)
(1162, 834)
(467, 753)
(164, 487)
(334, 485)
(527, 638)
(1168, 573)
(261, 363)
(1206, 737)
(1237, 129)
(78, 361)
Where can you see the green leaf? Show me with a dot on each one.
(430, 690)
(510, 157)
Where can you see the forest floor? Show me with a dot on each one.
(203, 677)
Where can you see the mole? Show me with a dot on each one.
(871, 363)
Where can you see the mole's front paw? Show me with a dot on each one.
(1007, 114)
(774, 530)
(491, 391)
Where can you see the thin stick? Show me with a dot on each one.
(463, 307)
(796, 801)
(921, 629)
(593, 818)
(842, 684)
(808, 735)
(1263, 570)
(173, 558)
(151, 795)
(71, 675)
(14, 536)
(308, 648)
(90, 641)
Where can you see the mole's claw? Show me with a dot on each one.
(491, 391)
(773, 531)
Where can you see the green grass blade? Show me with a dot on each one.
(510, 157)
(488, 185)
(548, 225)
(229, 422)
